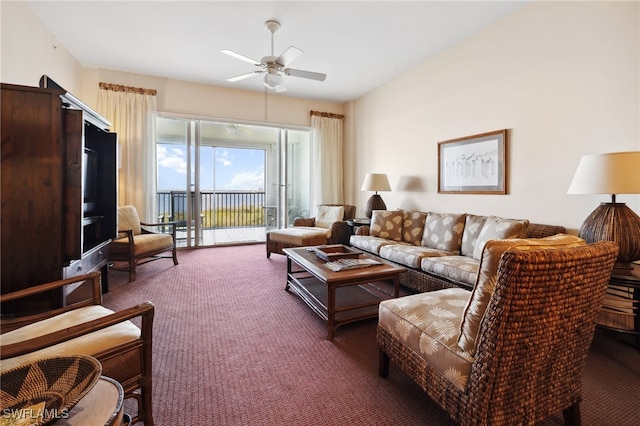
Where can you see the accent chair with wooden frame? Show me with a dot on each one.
(86, 328)
(522, 360)
(137, 245)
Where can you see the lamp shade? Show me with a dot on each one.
(376, 182)
(612, 173)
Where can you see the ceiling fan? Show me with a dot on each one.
(274, 67)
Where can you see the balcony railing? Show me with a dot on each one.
(218, 209)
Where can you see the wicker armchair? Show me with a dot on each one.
(86, 328)
(308, 234)
(531, 345)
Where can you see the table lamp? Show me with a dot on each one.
(612, 173)
(375, 182)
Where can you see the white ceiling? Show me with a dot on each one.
(358, 44)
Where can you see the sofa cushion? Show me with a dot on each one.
(429, 324)
(487, 278)
(408, 254)
(387, 224)
(89, 344)
(368, 243)
(326, 215)
(463, 269)
(443, 231)
(472, 226)
(413, 227)
(497, 228)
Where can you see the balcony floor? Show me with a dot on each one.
(219, 236)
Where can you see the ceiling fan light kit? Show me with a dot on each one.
(274, 67)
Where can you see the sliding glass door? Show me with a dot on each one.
(229, 183)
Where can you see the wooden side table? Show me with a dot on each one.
(621, 306)
(102, 405)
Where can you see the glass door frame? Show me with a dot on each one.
(277, 172)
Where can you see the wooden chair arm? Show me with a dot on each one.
(144, 310)
(172, 223)
(340, 232)
(363, 230)
(9, 324)
(304, 221)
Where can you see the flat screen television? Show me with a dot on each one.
(90, 181)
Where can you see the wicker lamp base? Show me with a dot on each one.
(618, 223)
(374, 203)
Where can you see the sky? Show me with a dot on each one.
(234, 168)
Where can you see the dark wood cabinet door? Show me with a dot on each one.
(32, 188)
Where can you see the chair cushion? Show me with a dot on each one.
(387, 224)
(429, 324)
(443, 231)
(462, 269)
(301, 235)
(408, 254)
(128, 219)
(142, 243)
(89, 344)
(326, 215)
(487, 278)
(413, 227)
(497, 228)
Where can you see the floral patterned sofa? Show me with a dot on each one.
(440, 250)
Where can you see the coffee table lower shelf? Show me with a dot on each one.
(350, 303)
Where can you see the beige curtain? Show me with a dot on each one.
(328, 169)
(132, 113)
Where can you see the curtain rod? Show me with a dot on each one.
(128, 89)
(327, 114)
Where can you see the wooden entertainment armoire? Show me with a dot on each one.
(59, 204)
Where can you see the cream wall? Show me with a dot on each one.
(30, 50)
(563, 77)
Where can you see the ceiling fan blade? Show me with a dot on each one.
(289, 55)
(239, 56)
(305, 74)
(243, 76)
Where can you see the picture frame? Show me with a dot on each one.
(474, 164)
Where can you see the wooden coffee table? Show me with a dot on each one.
(343, 296)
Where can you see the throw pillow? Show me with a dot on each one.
(487, 278)
(387, 224)
(497, 228)
(413, 227)
(443, 231)
(326, 215)
(472, 227)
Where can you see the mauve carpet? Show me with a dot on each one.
(232, 347)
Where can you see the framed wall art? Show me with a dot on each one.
(473, 164)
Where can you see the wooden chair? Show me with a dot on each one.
(137, 245)
(310, 232)
(86, 328)
(531, 344)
